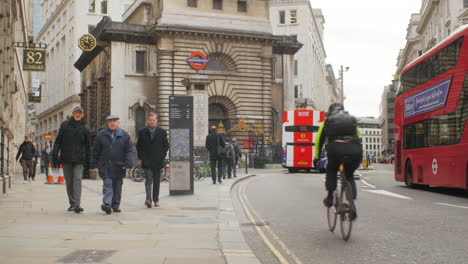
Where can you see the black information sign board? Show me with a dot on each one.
(34, 60)
(181, 145)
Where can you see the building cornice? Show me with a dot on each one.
(195, 31)
(71, 99)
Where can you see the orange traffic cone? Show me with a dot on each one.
(50, 177)
(60, 179)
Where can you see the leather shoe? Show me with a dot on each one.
(106, 208)
(71, 208)
(78, 209)
(116, 210)
(328, 201)
(156, 204)
(148, 204)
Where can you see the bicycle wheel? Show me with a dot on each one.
(332, 215)
(138, 175)
(196, 173)
(346, 211)
(162, 175)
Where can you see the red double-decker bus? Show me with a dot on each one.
(431, 110)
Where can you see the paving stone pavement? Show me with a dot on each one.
(202, 228)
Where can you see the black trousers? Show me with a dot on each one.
(216, 162)
(153, 177)
(335, 155)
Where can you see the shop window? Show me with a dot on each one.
(282, 17)
(218, 4)
(242, 5)
(192, 3)
(293, 16)
(92, 6)
(140, 61)
(104, 7)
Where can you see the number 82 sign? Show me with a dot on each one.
(33, 60)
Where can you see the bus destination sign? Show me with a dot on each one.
(427, 100)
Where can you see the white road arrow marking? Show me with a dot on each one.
(389, 194)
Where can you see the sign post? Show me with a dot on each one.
(34, 60)
(181, 145)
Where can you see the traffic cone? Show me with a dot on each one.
(50, 177)
(60, 179)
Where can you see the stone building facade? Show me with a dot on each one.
(387, 119)
(63, 22)
(436, 20)
(371, 134)
(144, 61)
(311, 76)
(15, 27)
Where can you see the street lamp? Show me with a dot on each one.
(342, 71)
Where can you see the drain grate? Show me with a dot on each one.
(87, 256)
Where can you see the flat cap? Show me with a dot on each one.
(113, 117)
(78, 108)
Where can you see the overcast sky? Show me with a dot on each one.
(365, 35)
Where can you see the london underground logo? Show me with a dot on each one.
(197, 60)
(435, 166)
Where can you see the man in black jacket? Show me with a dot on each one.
(212, 142)
(73, 142)
(27, 151)
(152, 147)
(112, 154)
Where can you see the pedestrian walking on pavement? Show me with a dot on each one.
(36, 161)
(215, 145)
(112, 154)
(152, 147)
(237, 155)
(228, 162)
(27, 151)
(46, 158)
(72, 149)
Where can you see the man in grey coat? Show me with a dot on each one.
(111, 155)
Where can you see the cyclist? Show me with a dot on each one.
(341, 132)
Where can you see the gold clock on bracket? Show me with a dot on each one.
(87, 42)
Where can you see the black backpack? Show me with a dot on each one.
(341, 124)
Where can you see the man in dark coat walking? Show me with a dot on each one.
(212, 142)
(46, 158)
(111, 155)
(73, 142)
(27, 151)
(152, 147)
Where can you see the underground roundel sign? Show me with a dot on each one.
(197, 60)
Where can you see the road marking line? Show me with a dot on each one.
(452, 205)
(368, 184)
(238, 250)
(269, 230)
(389, 194)
(267, 242)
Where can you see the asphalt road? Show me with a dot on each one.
(284, 221)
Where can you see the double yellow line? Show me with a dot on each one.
(264, 230)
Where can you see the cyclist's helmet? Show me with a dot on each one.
(335, 108)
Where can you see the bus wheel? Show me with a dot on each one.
(409, 175)
(292, 170)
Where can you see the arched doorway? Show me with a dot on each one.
(218, 113)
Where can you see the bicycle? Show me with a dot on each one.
(343, 205)
(200, 169)
(165, 175)
(137, 174)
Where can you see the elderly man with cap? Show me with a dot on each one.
(111, 155)
(72, 148)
